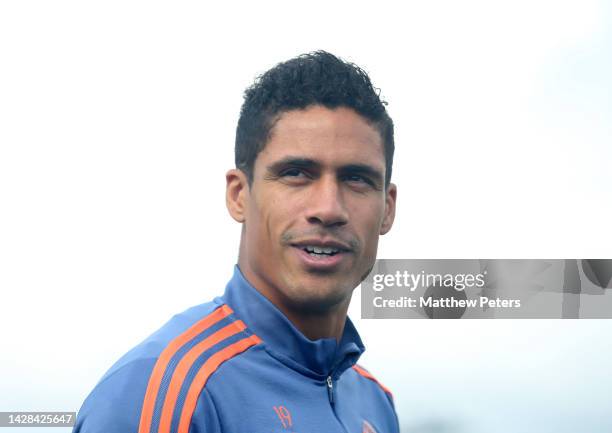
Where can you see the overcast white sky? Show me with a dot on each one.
(117, 124)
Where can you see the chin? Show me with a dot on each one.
(304, 299)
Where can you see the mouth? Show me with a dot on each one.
(321, 256)
(316, 251)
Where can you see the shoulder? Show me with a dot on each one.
(362, 372)
(116, 400)
(364, 383)
(377, 399)
(156, 385)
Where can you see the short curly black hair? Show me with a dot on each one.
(317, 78)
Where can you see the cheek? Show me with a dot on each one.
(368, 217)
(270, 217)
(367, 223)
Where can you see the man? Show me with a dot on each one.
(277, 353)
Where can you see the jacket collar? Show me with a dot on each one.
(318, 358)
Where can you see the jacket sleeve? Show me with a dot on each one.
(205, 418)
(397, 426)
(115, 403)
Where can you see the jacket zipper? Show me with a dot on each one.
(330, 389)
(330, 393)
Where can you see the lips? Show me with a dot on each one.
(322, 246)
(321, 255)
(315, 250)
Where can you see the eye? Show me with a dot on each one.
(356, 178)
(293, 172)
(295, 176)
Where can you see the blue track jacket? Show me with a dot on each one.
(238, 365)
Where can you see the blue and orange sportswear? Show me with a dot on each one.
(238, 365)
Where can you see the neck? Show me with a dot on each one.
(312, 323)
(318, 325)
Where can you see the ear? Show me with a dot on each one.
(389, 217)
(236, 193)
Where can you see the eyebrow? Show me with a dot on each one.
(296, 161)
(292, 161)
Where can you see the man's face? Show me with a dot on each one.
(315, 209)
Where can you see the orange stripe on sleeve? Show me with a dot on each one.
(209, 367)
(367, 375)
(157, 374)
(183, 367)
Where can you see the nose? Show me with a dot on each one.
(326, 206)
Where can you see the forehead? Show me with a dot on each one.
(333, 137)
